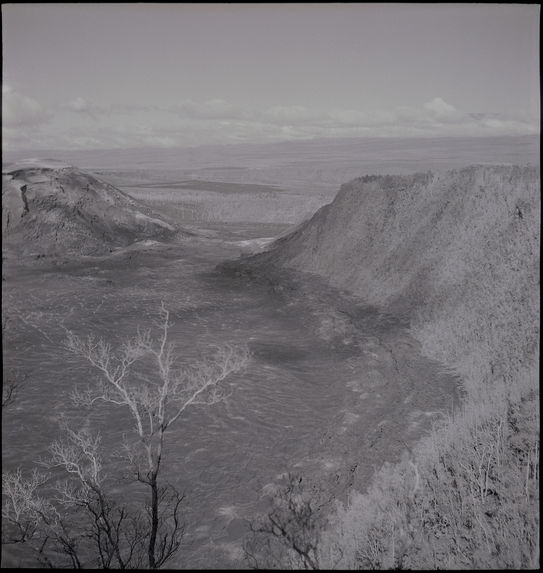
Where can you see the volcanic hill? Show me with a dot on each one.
(52, 208)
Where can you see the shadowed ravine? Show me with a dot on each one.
(331, 392)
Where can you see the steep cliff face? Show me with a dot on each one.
(457, 253)
(50, 209)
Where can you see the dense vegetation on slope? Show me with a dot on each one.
(457, 254)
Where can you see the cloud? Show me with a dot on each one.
(19, 110)
(440, 107)
(361, 118)
(84, 107)
(211, 109)
(292, 115)
(82, 124)
(79, 104)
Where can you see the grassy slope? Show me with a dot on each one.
(458, 254)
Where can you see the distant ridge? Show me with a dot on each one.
(50, 207)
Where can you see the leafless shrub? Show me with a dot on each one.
(73, 522)
(12, 380)
(83, 524)
(11, 385)
(289, 535)
(23, 509)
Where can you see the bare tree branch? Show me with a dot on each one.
(154, 404)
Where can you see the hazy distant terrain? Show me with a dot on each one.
(296, 178)
(325, 159)
(307, 173)
(383, 287)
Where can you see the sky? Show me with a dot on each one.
(101, 76)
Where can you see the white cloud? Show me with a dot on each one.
(493, 123)
(158, 141)
(82, 106)
(211, 109)
(362, 118)
(19, 110)
(291, 115)
(440, 107)
(79, 104)
(81, 123)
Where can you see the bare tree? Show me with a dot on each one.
(115, 534)
(288, 536)
(154, 403)
(10, 386)
(75, 521)
(78, 521)
(23, 508)
(12, 380)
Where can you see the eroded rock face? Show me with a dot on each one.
(455, 252)
(51, 209)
